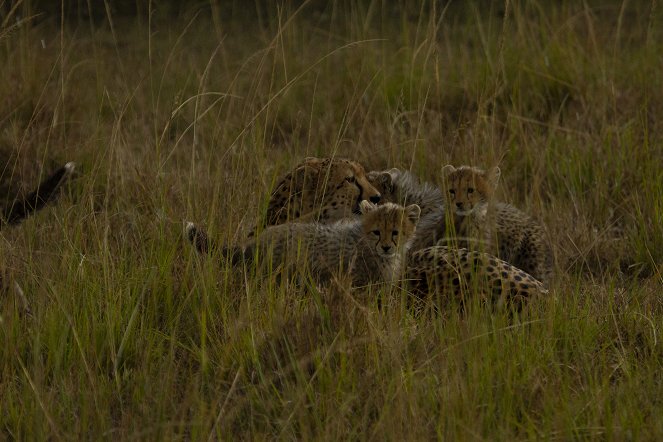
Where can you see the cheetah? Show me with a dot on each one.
(403, 187)
(19, 209)
(499, 228)
(370, 248)
(320, 189)
(470, 207)
(457, 273)
(323, 190)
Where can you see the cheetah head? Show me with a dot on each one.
(384, 182)
(344, 182)
(389, 228)
(469, 189)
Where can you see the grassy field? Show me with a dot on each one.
(131, 335)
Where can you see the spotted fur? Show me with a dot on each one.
(447, 274)
(322, 190)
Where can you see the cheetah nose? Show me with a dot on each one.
(459, 205)
(375, 198)
(386, 249)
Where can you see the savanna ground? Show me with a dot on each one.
(131, 335)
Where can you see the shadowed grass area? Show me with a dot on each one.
(131, 335)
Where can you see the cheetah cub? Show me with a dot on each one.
(497, 227)
(470, 207)
(451, 273)
(403, 187)
(371, 248)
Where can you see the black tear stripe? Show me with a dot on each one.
(359, 200)
(38, 198)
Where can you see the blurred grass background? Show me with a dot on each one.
(191, 110)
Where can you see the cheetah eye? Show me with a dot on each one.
(452, 192)
(394, 233)
(376, 232)
(351, 179)
(470, 190)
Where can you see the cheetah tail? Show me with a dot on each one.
(199, 239)
(203, 245)
(38, 198)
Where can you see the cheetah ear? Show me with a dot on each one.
(448, 170)
(492, 175)
(366, 206)
(413, 212)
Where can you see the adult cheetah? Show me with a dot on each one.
(322, 190)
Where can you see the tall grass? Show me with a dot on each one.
(131, 335)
